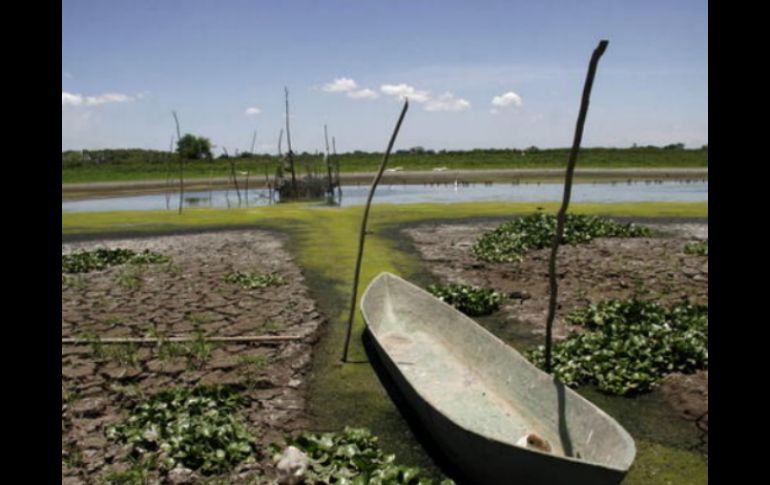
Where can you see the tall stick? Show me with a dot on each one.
(362, 234)
(554, 288)
(288, 144)
(168, 171)
(337, 170)
(181, 165)
(330, 189)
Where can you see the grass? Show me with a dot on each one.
(139, 169)
(358, 397)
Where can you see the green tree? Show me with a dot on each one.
(193, 147)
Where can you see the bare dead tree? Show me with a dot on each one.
(253, 141)
(280, 139)
(233, 177)
(288, 144)
(561, 216)
(362, 233)
(181, 165)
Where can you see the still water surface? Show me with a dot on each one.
(604, 192)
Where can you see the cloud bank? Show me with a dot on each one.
(69, 99)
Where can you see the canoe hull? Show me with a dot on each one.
(486, 461)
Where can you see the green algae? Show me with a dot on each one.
(324, 242)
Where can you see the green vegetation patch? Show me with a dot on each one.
(251, 280)
(470, 300)
(192, 428)
(699, 248)
(510, 241)
(352, 457)
(98, 259)
(629, 345)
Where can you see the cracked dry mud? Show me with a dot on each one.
(654, 268)
(180, 299)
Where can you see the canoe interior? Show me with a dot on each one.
(482, 384)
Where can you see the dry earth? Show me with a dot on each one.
(180, 299)
(651, 268)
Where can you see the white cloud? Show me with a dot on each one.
(363, 94)
(507, 99)
(447, 102)
(252, 111)
(340, 85)
(69, 99)
(404, 90)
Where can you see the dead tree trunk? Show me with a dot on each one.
(554, 288)
(362, 233)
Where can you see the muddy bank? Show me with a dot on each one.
(183, 298)
(654, 268)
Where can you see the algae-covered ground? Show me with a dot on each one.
(323, 241)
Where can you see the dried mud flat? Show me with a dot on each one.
(181, 299)
(652, 268)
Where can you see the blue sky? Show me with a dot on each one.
(478, 74)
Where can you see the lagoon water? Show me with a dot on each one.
(600, 192)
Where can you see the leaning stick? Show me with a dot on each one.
(181, 166)
(330, 189)
(362, 234)
(565, 200)
(153, 340)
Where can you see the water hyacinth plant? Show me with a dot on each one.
(252, 280)
(192, 428)
(353, 457)
(699, 248)
(98, 259)
(627, 346)
(511, 240)
(470, 300)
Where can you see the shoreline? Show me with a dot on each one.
(74, 191)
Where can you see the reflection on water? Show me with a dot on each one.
(604, 192)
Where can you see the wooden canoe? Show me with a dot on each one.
(496, 416)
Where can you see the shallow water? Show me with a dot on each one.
(599, 192)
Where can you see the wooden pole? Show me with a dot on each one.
(168, 172)
(288, 144)
(362, 233)
(330, 188)
(560, 218)
(181, 165)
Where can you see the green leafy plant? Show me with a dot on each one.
(98, 259)
(193, 428)
(510, 241)
(199, 350)
(352, 457)
(132, 277)
(628, 345)
(699, 248)
(138, 473)
(251, 280)
(468, 299)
